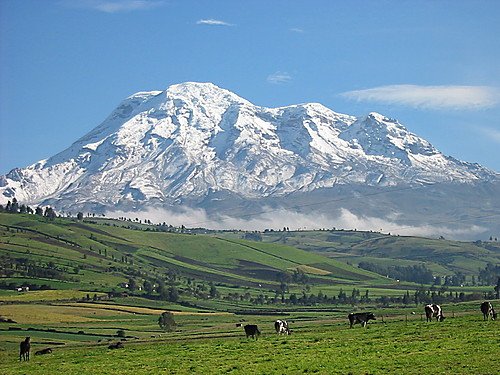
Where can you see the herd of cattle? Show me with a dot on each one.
(282, 328)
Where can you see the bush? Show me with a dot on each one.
(120, 333)
(166, 321)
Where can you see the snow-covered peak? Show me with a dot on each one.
(204, 93)
(193, 139)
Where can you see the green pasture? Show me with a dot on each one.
(443, 256)
(320, 343)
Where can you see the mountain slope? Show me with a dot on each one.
(196, 142)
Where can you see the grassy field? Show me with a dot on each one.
(462, 344)
(442, 256)
(100, 256)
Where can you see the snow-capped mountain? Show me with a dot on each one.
(195, 140)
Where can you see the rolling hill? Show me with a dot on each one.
(68, 253)
(443, 257)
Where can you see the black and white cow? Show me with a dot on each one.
(488, 311)
(433, 311)
(281, 327)
(252, 330)
(362, 318)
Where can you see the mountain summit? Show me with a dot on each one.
(195, 140)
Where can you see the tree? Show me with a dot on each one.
(132, 284)
(120, 333)
(79, 216)
(173, 294)
(162, 291)
(213, 291)
(148, 286)
(14, 208)
(497, 289)
(39, 211)
(166, 321)
(49, 213)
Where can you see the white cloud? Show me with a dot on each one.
(296, 30)
(279, 77)
(279, 218)
(492, 134)
(113, 6)
(432, 97)
(349, 220)
(212, 22)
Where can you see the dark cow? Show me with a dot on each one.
(433, 311)
(117, 345)
(43, 351)
(281, 327)
(24, 349)
(488, 311)
(362, 318)
(252, 330)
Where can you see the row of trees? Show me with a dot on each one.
(416, 273)
(418, 297)
(24, 267)
(15, 208)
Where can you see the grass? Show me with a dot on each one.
(461, 345)
(444, 257)
(94, 259)
(95, 249)
(45, 295)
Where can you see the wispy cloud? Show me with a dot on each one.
(279, 77)
(432, 97)
(212, 22)
(493, 134)
(296, 30)
(113, 6)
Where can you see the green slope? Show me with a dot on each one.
(440, 255)
(102, 256)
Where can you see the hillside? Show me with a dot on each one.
(98, 280)
(85, 255)
(443, 257)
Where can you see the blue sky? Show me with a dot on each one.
(434, 65)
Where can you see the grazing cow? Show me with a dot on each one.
(24, 349)
(252, 330)
(433, 311)
(117, 345)
(362, 318)
(488, 311)
(281, 327)
(43, 351)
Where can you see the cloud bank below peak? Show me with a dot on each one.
(279, 218)
(430, 97)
